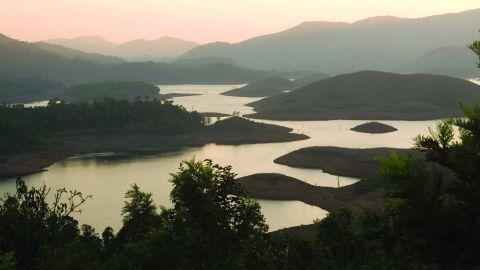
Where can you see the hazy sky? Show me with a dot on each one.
(198, 20)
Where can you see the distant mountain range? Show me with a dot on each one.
(138, 50)
(20, 59)
(434, 44)
(7, 44)
(379, 43)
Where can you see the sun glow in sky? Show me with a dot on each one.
(197, 20)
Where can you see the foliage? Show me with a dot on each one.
(112, 89)
(432, 216)
(24, 128)
(34, 232)
(18, 89)
(213, 225)
(475, 47)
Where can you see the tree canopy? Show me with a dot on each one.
(112, 89)
(26, 128)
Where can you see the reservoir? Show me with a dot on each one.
(107, 176)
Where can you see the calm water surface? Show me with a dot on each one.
(109, 175)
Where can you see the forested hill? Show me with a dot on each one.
(23, 59)
(27, 89)
(372, 95)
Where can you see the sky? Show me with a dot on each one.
(202, 21)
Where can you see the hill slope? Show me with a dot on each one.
(195, 62)
(262, 88)
(23, 59)
(164, 47)
(92, 44)
(77, 55)
(371, 95)
(18, 90)
(140, 49)
(315, 77)
(451, 61)
(380, 43)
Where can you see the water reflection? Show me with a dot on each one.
(108, 175)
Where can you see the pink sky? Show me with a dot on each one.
(197, 20)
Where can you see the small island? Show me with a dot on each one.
(349, 162)
(374, 128)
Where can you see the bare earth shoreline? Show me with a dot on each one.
(20, 164)
(356, 197)
(349, 162)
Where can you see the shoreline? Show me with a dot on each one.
(347, 162)
(35, 161)
(356, 197)
(316, 114)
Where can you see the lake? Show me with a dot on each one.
(108, 175)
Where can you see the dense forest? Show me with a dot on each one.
(24, 128)
(431, 221)
(14, 89)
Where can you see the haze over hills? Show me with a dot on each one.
(378, 43)
(140, 49)
(94, 44)
(79, 55)
(371, 95)
(453, 61)
(314, 77)
(6, 42)
(195, 62)
(52, 62)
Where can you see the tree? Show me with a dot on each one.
(139, 216)
(213, 225)
(31, 228)
(475, 47)
(336, 243)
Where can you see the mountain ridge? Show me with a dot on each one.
(381, 43)
(137, 49)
